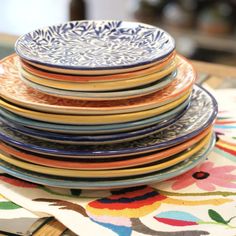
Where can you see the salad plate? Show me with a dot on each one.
(103, 95)
(93, 120)
(98, 78)
(200, 115)
(35, 100)
(97, 47)
(132, 171)
(100, 164)
(109, 183)
(101, 86)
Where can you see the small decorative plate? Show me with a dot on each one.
(88, 46)
(98, 78)
(15, 91)
(101, 164)
(103, 95)
(92, 120)
(93, 174)
(109, 183)
(199, 116)
(101, 86)
(161, 119)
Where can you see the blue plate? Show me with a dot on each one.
(93, 129)
(200, 115)
(93, 139)
(109, 183)
(95, 45)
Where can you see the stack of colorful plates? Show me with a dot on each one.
(101, 104)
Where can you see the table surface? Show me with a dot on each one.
(213, 75)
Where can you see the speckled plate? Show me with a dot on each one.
(109, 183)
(103, 95)
(92, 120)
(95, 46)
(162, 120)
(98, 78)
(93, 139)
(101, 164)
(133, 171)
(35, 100)
(199, 116)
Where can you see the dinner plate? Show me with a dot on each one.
(104, 95)
(162, 120)
(95, 46)
(93, 120)
(93, 174)
(200, 115)
(98, 78)
(101, 164)
(109, 183)
(93, 139)
(35, 100)
(101, 86)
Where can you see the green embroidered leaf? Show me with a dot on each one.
(228, 221)
(216, 217)
(8, 206)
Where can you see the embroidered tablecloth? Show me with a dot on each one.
(199, 202)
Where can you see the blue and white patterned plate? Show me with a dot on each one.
(95, 45)
(200, 115)
(110, 183)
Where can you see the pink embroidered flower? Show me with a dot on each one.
(206, 177)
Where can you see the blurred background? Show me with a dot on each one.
(204, 29)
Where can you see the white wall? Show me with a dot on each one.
(21, 16)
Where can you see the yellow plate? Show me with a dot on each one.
(101, 86)
(97, 119)
(106, 173)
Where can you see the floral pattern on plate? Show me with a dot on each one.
(95, 45)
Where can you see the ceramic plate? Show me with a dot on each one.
(149, 168)
(199, 116)
(95, 45)
(101, 86)
(92, 139)
(162, 120)
(98, 78)
(101, 164)
(33, 99)
(109, 183)
(104, 95)
(93, 120)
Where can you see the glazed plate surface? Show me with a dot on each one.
(95, 46)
